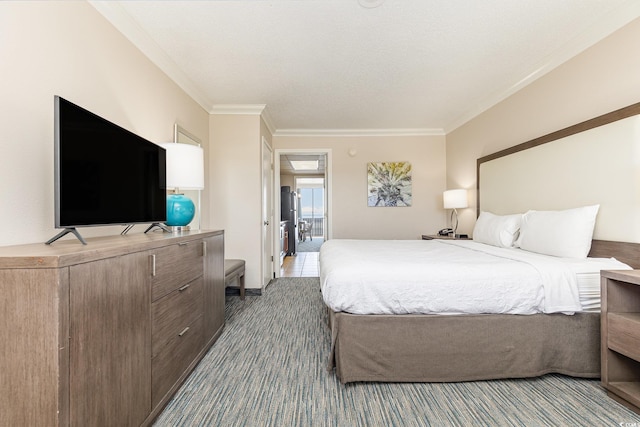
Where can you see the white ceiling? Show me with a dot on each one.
(336, 67)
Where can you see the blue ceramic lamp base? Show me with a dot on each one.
(180, 211)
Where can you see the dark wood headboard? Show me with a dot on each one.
(623, 113)
(626, 252)
(629, 253)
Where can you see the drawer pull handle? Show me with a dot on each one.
(184, 331)
(183, 243)
(183, 288)
(153, 265)
(204, 248)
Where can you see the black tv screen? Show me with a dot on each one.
(104, 174)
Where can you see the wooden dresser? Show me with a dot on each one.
(104, 334)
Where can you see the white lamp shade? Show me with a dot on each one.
(454, 199)
(185, 166)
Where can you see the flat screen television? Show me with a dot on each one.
(104, 174)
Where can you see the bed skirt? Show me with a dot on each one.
(432, 348)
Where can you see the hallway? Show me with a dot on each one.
(303, 264)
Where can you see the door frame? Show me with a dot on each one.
(267, 270)
(328, 182)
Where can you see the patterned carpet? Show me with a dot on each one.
(269, 369)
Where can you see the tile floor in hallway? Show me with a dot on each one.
(302, 264)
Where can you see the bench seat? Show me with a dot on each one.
(234, 272)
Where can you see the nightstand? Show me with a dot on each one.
(620, 334)
(439, 237)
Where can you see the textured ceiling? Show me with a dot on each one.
(334, 66)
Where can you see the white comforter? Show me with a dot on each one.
(446, 277)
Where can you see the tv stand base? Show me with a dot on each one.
(159, 225)
(65, 232)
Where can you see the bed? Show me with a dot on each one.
(389, 323)
(391, 340)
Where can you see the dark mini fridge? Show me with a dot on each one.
(289, 213)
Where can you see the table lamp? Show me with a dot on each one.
(185, 171)
(455, 199)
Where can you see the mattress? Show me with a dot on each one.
(588, 274)
(455, 277)
(589, 291)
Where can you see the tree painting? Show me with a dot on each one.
(389, 184)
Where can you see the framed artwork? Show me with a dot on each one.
(389, 184)
(183, 136)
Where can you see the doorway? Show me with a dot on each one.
(306, 174)
(267, 243)
(311, 196)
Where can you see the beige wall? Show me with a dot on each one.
(288, 180)
(68, 49)
(603, 78)
(235, 182)
(351, 218)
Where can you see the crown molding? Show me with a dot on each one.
(122, 21)
(358, 132)
(604, 27)
(256, 109)
(268, 120)
(249, 109)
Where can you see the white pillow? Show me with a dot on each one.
(497, 230)
(565, 233)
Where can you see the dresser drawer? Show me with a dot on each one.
(174, 266)
(174, 358)
(174, 312)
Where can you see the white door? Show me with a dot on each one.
(267, 214)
